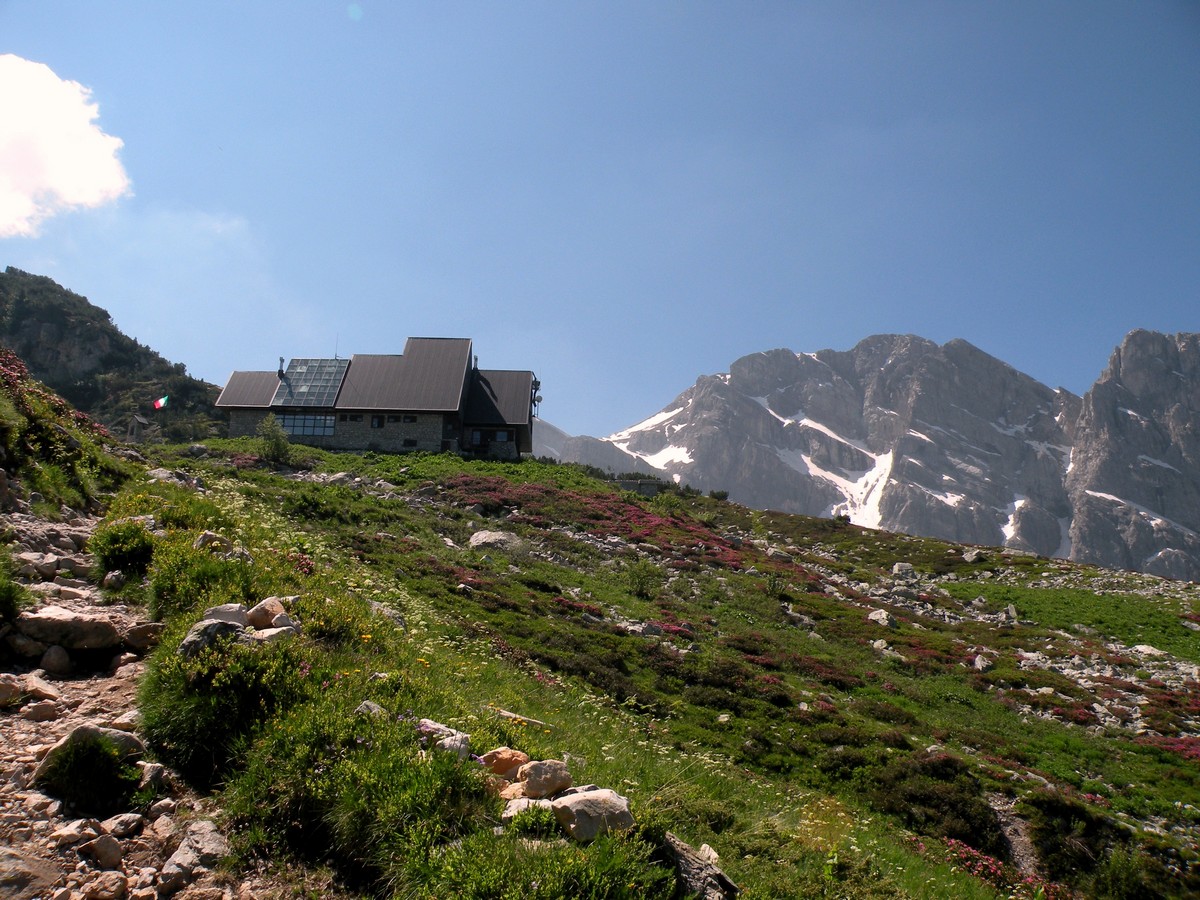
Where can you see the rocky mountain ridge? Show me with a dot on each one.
(945, 441)
(75, 349)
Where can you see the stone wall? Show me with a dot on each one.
(388, 433)
(384, 432)
(243, 422)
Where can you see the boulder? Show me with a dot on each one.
(202, 847)
(41, 711)
(143, 636)
(71, 629)
(11, 689)
(40, 689)
(586, 816)
(205, 633)
(210, 540)
(542, 778)
(504, 761)
(228, 612)
(25, 646)
(25, 874)
(503, 540)
(512, 791)
(263, 613)
(56, 661)
(32, 563)
(270, 635)
(114, 580)
(109, 885)
(73, 832)
(882, 617)
(104, 850)
(123, 825)
(458, 743)
(129, 745)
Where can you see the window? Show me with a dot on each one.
(410, 442)
(376, 421)
(307, 425)
(356, 418)
(476, 439)
(393, 419)
(501, 436)
(410, 419)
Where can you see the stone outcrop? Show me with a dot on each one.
(945, 441)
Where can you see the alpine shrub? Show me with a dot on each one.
(126, 546)
(92, 775)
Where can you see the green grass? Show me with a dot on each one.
(1130, 619)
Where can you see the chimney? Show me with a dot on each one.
(280, 372)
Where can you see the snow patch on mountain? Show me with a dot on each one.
(863, 495)
(1157, 462)
(646, 424)
(663, 457)
(1009, 528)
(1145, 512)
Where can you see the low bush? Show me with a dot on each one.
(497, 867)
(13, 596)
(643, 578)
(273, 443)
(92, 776)
(936, 794)
(535, 822)
(197, 712)
(173, 507)
(1070, 839)
(126, 546)
(182, 578)
(326, 780)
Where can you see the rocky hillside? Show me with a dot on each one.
(75, 349)
(421, 677)
(946, 441)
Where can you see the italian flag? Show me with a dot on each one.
(160, 402)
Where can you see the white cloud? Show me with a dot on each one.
(53, 155)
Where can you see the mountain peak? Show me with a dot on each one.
(947, 441)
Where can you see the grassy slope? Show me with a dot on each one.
(802, 753)
(50, 449)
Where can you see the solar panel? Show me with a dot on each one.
(311, 382)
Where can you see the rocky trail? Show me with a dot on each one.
(71, 665)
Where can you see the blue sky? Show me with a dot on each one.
(620, 196)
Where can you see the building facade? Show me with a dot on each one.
(433, 397)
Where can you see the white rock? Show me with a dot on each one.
(588, 815)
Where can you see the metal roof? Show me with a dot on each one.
(499, 397)
(429, 377)
(249, 389)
